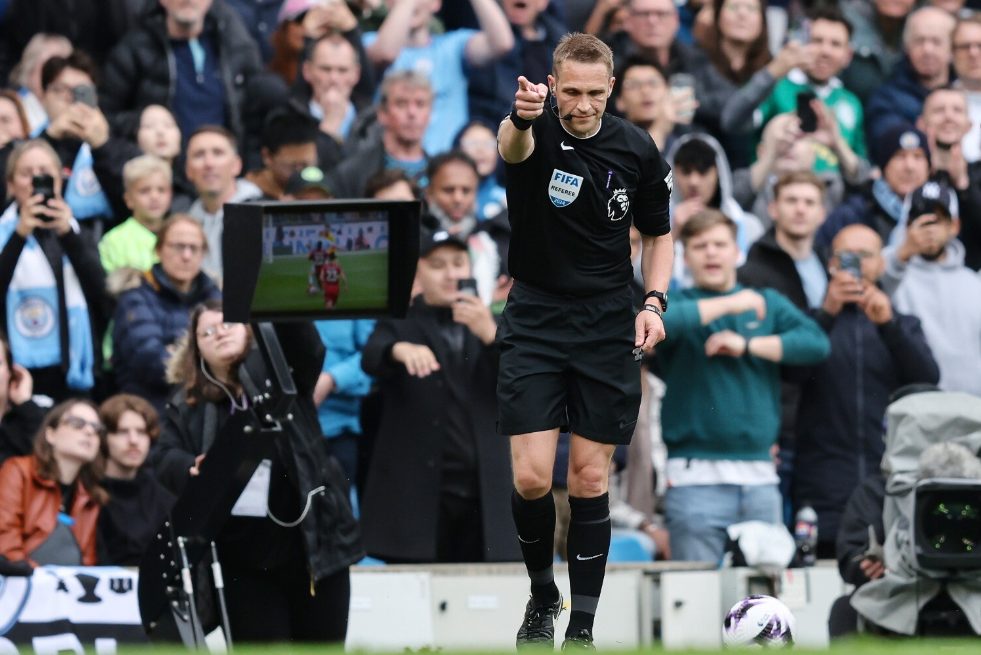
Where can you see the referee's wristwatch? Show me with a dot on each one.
(662, 297)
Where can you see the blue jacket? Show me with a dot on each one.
(149, 318)
(341, 410)
(899, 100)
(840, 419)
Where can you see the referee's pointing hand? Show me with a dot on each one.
(650, 330)
(529, 99)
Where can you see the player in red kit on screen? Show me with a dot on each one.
(331, 277)
(319, 257)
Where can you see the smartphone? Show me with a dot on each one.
(851, 263)
(805, 112)
(467, 285)
(683, 84)
(805, 32)
(85, 94)
(43, 184)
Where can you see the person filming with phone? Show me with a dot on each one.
(875, 350)
(438, 485)
(54, 315)
(79, 133)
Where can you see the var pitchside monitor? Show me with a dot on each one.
(319, 260)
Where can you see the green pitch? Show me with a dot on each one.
(283, 284)
(849, 647)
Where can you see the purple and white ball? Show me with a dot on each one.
(759, 622)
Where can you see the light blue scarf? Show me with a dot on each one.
(83, 193)
(32, 311)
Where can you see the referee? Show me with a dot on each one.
(576, 178)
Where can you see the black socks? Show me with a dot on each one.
(588, 549)
(535, 521)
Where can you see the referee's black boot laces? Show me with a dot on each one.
(538, 628)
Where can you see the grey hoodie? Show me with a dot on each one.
(750, 227)
(946, 297)
(214, 225)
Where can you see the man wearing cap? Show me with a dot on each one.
(903, 155)
(439, 480)
(308, 184)
(875, 350)
(927, 278)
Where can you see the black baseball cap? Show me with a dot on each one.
(430, 240)
(932, 198)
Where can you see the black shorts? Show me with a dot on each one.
(569, 364)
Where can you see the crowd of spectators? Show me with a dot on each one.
(826, 210)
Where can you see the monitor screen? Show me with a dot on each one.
(320, 260)
(323, 261)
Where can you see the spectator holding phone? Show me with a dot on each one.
(53, 316)
(875, 350)
(439, 481)
(803, 78)
(926, 277)
(79, 133)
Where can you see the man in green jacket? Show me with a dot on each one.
(721, 415)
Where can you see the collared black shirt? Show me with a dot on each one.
(572, 201)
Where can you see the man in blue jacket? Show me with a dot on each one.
(874, 352)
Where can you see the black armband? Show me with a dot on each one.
(520, 123)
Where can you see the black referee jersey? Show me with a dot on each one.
(571, 203)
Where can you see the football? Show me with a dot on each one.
(759, 622)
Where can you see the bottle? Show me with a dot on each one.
(806, 535)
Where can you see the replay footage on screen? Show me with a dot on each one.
(316, 262)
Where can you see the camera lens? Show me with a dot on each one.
(952, 524)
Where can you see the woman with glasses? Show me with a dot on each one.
(285, 555)
(51, 499)
(154, 308)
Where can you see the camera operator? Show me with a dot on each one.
(438, 488)
(905, 598)
(282, 583)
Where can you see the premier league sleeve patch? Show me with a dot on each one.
(563, 188)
